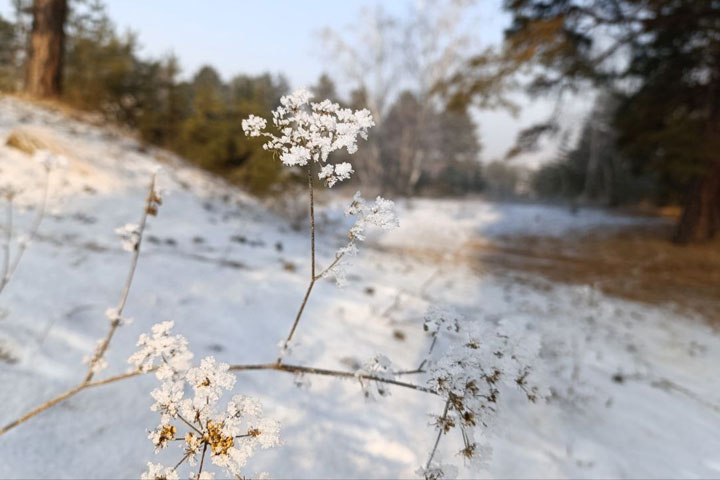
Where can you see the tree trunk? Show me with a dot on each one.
(47, 41)
(701, 213)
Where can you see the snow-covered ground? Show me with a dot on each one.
(636, 387)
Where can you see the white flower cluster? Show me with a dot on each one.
(480, 358)
(229, 436)
(380, 214)
(130, 235)
(168, 353)
(49, 160)
(335, 173)
(380, 367)
(311, 131)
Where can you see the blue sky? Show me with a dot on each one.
(254, 36)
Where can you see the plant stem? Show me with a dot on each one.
(331, 373)
(294, 369)
(8, 238)
(12, 266)
(439, 435)
(64, 396)
(114, 323)
(313, 278)
(202, 460)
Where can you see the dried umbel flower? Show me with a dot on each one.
(478, 360)
(309, 132)
(229, 437)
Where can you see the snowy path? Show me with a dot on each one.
(637, 388)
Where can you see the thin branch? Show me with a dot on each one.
(182, 459)
(439, 435)
(22, 247)
(189, 424)
(64, 396)
(202, 460)
(294, 369)
(8, 237)
(115, 322)
(331, 266)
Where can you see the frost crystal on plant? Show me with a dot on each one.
(157, 471)
(437, 471)
(335, 173)
(169, 353)
(380, 214)
(480, 358)
(96, 361)
(310, 132)
(380, 367)
(130, 235)
(227, 437)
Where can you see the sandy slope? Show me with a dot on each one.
(636, 386)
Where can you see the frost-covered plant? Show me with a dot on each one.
(228, 436)
(310, 132)
(380, 214)
(479, 359)
(378, 367)
(469, 364)
(131, 235)
(307, 133)
(9, 192)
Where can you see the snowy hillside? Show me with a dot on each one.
(636, 388)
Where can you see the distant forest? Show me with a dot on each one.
(652, 65)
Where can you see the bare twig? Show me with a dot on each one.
(11, 266)
(338, 257)
(115, 322)
(8, 237)
(439, 435)
(294, 369)
(64, 396)
(202, 460)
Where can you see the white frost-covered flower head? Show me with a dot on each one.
(156, 471)
(310, 132)
(169, 353)
(380, 214)
(226, 437)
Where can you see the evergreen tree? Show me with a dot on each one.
(665, 56)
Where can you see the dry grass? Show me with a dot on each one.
(637, 264)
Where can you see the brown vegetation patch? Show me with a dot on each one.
(638, 264)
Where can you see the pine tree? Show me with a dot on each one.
(47, 43)
(665, 56)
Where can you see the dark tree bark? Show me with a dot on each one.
(47, 42)
(700, 219)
